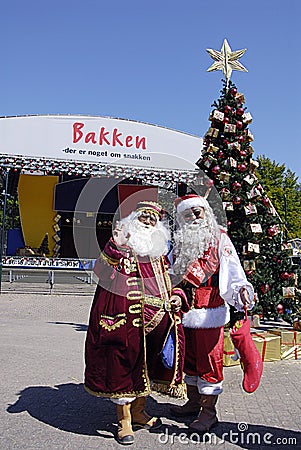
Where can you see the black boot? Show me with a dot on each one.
(192, 406)
(207, 417)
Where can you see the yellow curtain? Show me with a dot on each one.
(36, 199)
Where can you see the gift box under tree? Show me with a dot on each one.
(290, 343)
(268, 345)
(254, 321)
(229, 352)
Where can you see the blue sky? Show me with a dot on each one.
(147, 61)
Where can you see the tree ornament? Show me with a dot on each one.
(241, 167)
(212, 148)
(237, 200)
(240, 98)
(229, 128)
(221, 154)
(225, 194)
(217, 115)
(227, 109)
(226, 120)
(240, 111)
(226, 60)
(239, 124)
(273, 230)
(284, 276)
(215, 169)
(265, 288)
(243, 153)
(253, 165)
(266, 201)
(240, 138)
(288, 291)
(236, 185)
(280, 308)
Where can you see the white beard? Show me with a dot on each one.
(192, 241)
(147, 240)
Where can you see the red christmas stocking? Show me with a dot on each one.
(250, 357)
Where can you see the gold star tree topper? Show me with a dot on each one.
(226, 60)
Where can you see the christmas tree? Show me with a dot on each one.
(254, 226)
(44, 248)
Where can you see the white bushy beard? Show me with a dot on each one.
(192, 240)
(146, 240)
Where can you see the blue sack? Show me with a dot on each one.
(168, 352)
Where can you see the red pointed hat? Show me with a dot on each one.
(189, 201)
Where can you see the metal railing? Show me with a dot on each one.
(45, 280)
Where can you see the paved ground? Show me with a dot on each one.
(44, 405)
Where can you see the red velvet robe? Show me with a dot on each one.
(128, 327)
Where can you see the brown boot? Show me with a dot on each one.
(140, 418)
(192, 406)
(125, 433)
(207, 417)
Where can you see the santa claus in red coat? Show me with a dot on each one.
(213, 279)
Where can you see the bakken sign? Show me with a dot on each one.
(98, 139)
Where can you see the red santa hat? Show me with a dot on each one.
(190, 201)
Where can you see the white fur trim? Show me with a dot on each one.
(207, 317)
(191, 203)
(123, 400)
(204, 387)
(207, 388)
(192, 380)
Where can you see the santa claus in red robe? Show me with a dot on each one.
(134, 310)
(213, 279)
